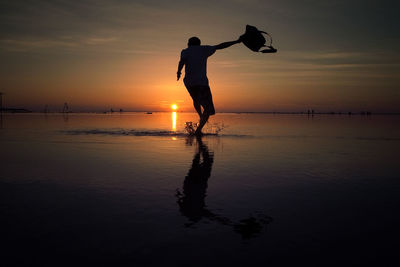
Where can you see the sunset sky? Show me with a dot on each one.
(96, 55)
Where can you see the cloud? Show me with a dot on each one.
(98, 40)
(30, 44)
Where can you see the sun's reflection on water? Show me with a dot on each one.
(174, 117)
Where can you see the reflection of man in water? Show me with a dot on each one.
(194, 58)
(191, 201)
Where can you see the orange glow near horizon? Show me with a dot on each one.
(275, 90)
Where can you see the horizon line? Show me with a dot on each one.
(311, 112)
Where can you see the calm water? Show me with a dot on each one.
(133, 190)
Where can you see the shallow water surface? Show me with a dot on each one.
(134, 189)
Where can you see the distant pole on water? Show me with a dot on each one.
(65, 108)
(1, 102)
(1, 110)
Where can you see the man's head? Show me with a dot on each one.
(194, 41)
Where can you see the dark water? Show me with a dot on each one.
(134, 190)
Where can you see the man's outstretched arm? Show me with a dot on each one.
(227, 44)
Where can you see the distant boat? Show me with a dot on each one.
(149, 112)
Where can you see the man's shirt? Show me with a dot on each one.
(195, 59)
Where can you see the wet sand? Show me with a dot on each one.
(133, 189)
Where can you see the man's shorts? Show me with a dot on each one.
(202, 95)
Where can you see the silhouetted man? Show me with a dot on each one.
(194, 58)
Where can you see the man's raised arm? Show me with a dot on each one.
(227, 44)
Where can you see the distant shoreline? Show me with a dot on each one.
(350, 113)
(15, 110)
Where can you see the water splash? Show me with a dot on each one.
(134, 132)
(127, 132)
(216, 127)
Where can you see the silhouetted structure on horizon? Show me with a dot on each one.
(1, 110)
(65, 108)
(1, 102)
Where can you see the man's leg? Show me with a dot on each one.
(203, 121)
(208, 106)
(197, 106)
(194, 92)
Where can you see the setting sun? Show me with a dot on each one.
(174, 107)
